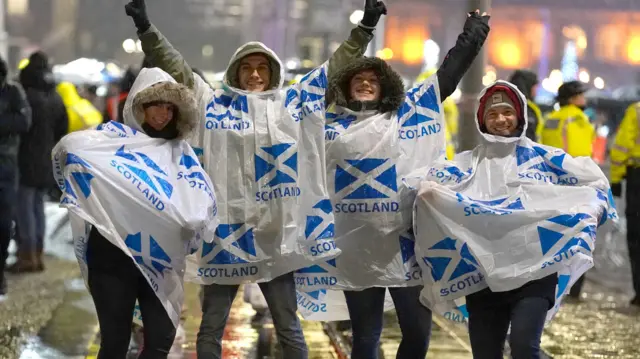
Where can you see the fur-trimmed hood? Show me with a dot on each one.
(156, 85)
(392, 91)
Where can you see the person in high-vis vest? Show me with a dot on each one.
(625, 165)
(82, 114)
(451, 117)
(569, 128)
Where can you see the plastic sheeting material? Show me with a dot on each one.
(368, 156)
(508, 212)
(134, 189)
(265, 154)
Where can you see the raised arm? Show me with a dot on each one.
(157, 48)
(461, 56)
(356, 45)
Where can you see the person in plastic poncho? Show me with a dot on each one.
(371, 92)
(625, 165)
(501, 113)
(527, 82)
(268, 113)
(82, 114)
(451, 117)
(164, 110)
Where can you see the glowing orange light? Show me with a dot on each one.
(509, 54)
(412, 49)
(633, 49)
(385, 54)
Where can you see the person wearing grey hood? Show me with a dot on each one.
(249, 114)
(15, 120)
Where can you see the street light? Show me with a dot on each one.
(129, 46)
(356, 17)
(598, 82)
(584, 76)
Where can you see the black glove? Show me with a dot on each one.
(372, 11)
(477, 23)
(616, 189)
(137, 9)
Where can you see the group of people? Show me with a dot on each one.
(33, 118)
(291, 197)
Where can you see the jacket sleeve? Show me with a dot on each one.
(354, 47)
(18, 120)
(461, 56)
(62, 123)
(162, 54)
(625, 141)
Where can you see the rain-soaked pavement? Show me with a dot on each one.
(50, 315)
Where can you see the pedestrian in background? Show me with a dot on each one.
(15, 120)
(49, 124)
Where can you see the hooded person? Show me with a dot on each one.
(510, 225)
(81, 113)
(139, 203)
(527, 82)
(48, 124)
(263, 146)
(377, 134)
(15, 120)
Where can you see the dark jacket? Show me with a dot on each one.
(15, 120)
(392, 94)
(49, 124)
(524, 81)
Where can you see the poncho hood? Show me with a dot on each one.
(520, 102)
(153, 85)
(392, 92)
(231, 79)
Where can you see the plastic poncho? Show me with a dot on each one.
(265, 152)
(81, 112)
(509, 212)
(149, 197)
(368, 155)
(451, 117)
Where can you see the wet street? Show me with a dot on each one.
(50, 315)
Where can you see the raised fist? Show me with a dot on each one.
(373, 10)
(137, 9)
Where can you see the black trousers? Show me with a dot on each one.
(115, 283)
(632, 212)
(8, 197)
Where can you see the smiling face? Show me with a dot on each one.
(501, 120)
(159, 115)
(254, 73)
(365, 86)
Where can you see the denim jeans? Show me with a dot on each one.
(30, 218)
(366, 311)
(280, 294)
(488, 328)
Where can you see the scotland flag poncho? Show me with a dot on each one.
(509, 212)
(149, 197)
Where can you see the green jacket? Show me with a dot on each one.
(162, 54)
